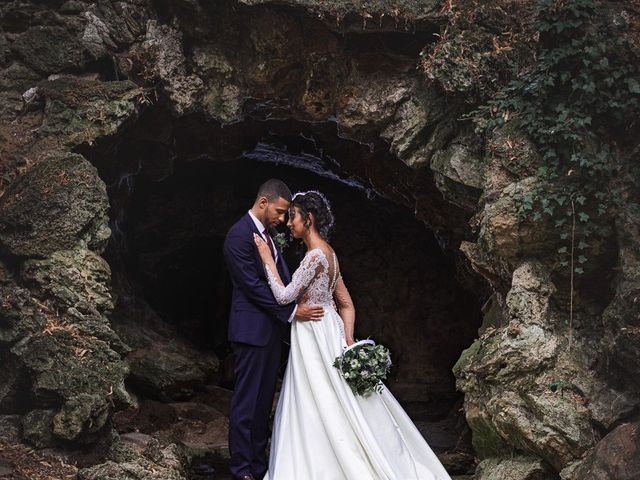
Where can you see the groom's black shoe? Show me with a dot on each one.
(246, 476)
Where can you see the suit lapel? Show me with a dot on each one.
(249, 221)
(283, 269)
(280, 264)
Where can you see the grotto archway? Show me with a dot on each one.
(173, 200)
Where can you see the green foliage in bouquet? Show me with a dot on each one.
(364, 365)
(282, 240)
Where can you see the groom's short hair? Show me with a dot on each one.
(273, 189)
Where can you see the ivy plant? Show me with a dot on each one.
(578, 102)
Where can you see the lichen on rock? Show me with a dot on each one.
(44, 211)
(139, 457)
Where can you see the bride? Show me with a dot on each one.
(322, 431)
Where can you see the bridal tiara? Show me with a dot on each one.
(327, 205)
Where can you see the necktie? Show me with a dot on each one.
(270, 243)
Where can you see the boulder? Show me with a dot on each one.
(616, 456)
(49, 49)
(45, 211)
(79, 110)
(10, 426)
(139, 457)
(81, 413)
(37, 428)
(504, 234)
(64, 364)
(515, 468)
(520, 391)
(163, 50)
(20, 315)
(459, 172)
(162, 365)
(200, 425)
(73, 279)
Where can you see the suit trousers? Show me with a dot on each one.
(256, 373)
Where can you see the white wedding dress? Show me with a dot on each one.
(322, 431)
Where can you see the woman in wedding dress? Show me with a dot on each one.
(322, 431)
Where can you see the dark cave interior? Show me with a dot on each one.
(176, 188)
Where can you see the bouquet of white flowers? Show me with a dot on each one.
(364, 365)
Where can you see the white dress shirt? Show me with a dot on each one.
(261, 229)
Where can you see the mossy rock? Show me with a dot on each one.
(465, 357)
(514, 468)
(10, 426)
(64, 364)
(19, 315)
(151, 461)
(58, 204)
(82, 413)
(76, 278)
(79, 111)
(37, 428)
(49, 49)
(486, 440)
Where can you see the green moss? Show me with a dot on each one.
(465, 358)
(82, 110)
(57, 204)
(485, 439)
(64, 364)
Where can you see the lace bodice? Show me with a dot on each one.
(313, 282)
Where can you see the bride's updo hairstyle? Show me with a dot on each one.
(317, 204)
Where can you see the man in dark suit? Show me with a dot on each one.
(256, 325)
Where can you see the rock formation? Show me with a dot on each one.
(94, 93)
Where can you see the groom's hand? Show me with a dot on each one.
(307, 313)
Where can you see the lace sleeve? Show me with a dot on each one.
(310, 267)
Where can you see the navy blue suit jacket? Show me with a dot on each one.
(255, 315)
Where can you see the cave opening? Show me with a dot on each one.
(175, 188)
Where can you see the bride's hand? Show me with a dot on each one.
(350, 341)
(263, 248)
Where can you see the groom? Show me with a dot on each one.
(256, 326)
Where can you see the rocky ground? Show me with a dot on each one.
(173, 440)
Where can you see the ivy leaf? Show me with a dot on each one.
(562, 250)
(582, 245)
(564, 263)
(564, 236)
(582, 259)
(578, 270)
(580, 199)
(583, 216)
